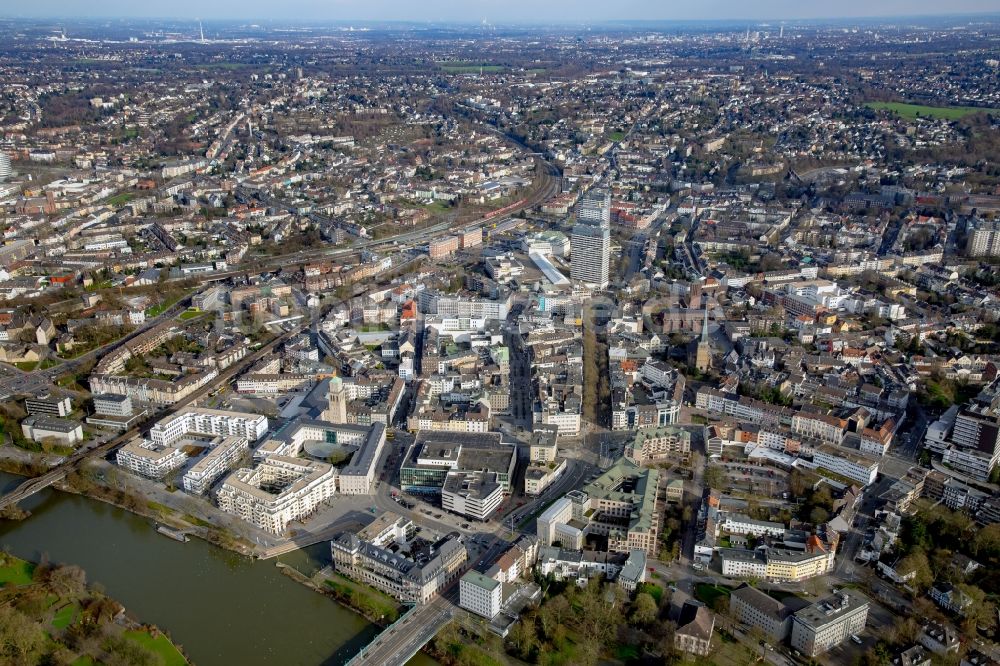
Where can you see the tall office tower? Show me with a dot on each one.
(5, 168)
(591, 249)
(337, 410)
(590, 242)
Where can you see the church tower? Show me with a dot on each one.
(703, 353)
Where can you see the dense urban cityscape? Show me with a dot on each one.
(629, 343)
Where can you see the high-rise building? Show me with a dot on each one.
(591, 254)
(591, 239)
(5, 168)
(983, 238)
(594, 207)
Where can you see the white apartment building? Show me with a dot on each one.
(150, 459)
(277, 491)
(220, 459)
(480, 594)
(203, 421)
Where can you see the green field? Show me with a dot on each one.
(65, 616)
(616, 136)
(161, 645)
(17, 572)
(190, 313)
(708, 593)
(120, 199)
(457, 67)
(919, 111)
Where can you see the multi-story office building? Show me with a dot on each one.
(591, 255)
(222, 457)
(983, 238)
(434, 454)
(975, 442)
(203, 421)
(396, 575)
(277, 491)
(841, 461)
(113, 405)
(754, 608)
(472, 494)
(591, 239)
(48, 405)
(480, 594)
(63, 431)
(829, 622)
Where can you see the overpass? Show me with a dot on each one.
(400, 641)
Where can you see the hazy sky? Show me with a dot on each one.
(494, 10)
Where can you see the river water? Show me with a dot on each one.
(222, 608)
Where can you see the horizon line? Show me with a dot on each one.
(507, 22)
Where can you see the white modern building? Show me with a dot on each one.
(222, 457)
(113, 405)
(472, 494)
(149, 459)
(203, 421)
(277, 491)
(841, 462)
(480, 594)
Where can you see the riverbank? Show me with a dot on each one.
(105, 534)
(48, 614)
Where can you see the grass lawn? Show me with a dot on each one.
(190, 313)
(27, 366)
(616, 136)
(919, 111)
(161, 645)
(654, 591)
(708, 593)
(162, 509)
(157, 310)
(65, 616)
(18, 572)
(85, 660)
(120, 199)
(364, 598)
